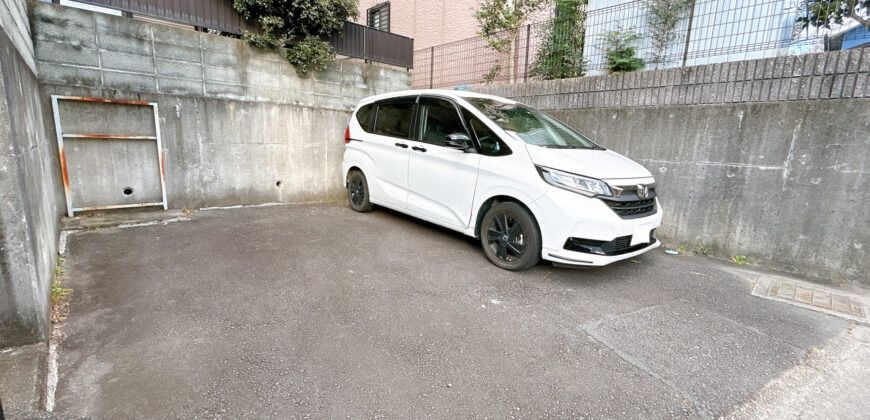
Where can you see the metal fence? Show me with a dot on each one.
(357, 41)
(709, 31)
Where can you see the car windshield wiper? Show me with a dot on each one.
(560, 146)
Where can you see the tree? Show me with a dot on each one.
(823, 13)
(620, 53)
(301, 24)
(663, 17)
(561, 53)
(500, 22)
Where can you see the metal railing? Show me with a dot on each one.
(360, 41)
(357, 41)
(710, 31)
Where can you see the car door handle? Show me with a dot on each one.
(402, 145)
(419, 149)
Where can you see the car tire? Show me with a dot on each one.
(358, 192)
(510, 237)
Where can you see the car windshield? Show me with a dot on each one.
(532, 126)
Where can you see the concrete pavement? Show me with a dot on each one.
(314, 310)
(22, 377)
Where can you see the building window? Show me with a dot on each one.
(379, 16)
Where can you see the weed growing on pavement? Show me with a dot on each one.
(703, 250)
(59, 301)
(739, 259)
(682, 249)
(58, 292)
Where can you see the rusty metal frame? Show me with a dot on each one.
(61, 135)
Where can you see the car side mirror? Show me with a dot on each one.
(459, 141)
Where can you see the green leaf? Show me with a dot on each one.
(299, 24)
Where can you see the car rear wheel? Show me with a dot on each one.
(358, 192)
(510, 237)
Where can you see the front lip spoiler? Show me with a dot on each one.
(569, 259)
(599, 260)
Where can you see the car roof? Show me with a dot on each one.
(457, 94)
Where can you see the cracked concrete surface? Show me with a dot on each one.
(314, 310)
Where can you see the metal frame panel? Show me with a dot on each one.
(70, 210)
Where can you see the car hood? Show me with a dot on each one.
(601, 164)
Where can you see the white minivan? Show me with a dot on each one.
(524, 183)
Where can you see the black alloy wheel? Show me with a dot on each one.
(358, 192)
(510, 237)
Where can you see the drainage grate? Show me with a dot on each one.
(814, 297)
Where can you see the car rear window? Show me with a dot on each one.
(364, 117)
(394, 118)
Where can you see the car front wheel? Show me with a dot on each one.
(510, 237)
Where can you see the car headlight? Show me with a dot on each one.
(589, 187)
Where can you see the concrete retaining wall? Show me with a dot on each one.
(13, 20)
(80, 48)
(227, 152)
(29, 193)
(778, 173)
(239, 125)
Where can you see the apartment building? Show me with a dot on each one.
(429, 22)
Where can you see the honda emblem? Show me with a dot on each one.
(642, 191)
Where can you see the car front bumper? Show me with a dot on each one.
(563, 215)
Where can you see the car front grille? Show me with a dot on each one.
(630, 206)
(618, 246)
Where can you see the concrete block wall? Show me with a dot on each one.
(30, 203)
(239, 125)
(831, 75)
(767, 158)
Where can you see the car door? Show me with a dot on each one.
(441, 180)
(389, 149)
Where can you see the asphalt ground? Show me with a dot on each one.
(315, 310)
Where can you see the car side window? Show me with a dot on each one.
(364, 117)
(394, 118)
(438, 119)
(490, 143)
